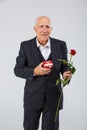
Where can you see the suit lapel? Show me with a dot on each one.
(34, 52)
(56, 54)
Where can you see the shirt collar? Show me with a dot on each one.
(47, 44)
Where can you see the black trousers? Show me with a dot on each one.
(32, 116)
(31, 120)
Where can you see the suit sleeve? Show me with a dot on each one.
(21, 70)
(64, 50)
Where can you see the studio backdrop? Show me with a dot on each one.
(69, 22)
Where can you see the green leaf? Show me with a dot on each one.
(65, 82)
(73, 69)
(58, 81)
(64, 61)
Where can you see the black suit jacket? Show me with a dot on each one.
(27, 60)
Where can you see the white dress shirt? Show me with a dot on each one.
(45, 50)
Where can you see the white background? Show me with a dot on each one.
(69, 21)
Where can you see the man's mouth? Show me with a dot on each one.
(44, 35)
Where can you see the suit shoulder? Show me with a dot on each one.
(58, 41)
(28, 42)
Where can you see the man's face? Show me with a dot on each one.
(43, 30)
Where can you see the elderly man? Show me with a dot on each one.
(41, 94)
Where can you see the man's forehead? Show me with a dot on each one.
(43, 21)
(44, 24)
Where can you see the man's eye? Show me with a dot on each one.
(41, 26)
(47, 26)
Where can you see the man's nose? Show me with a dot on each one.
(44, 29)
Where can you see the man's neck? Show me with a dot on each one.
(43, 43)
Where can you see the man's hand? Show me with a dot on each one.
(39, 70)
(67, 74)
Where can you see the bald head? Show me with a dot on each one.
(42, 18)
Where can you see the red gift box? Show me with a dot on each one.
(47, 64)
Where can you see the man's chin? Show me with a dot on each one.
(45, 38)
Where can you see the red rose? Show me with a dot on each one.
(47, 64)
(72, 52)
